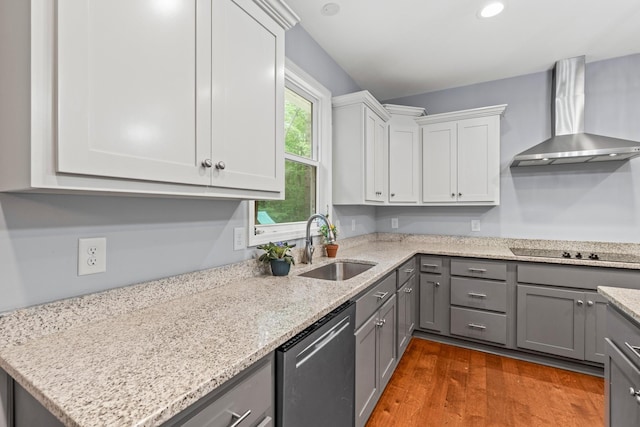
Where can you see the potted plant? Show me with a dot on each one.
(279, 256)
(330, 246)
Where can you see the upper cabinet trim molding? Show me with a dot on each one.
(405, 110)
(280, 12)
(362, 97)
(463, 114)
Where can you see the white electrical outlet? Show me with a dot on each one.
(92, 256)
(353, 225)
(475, 225)
(239, 239)
(394, 222)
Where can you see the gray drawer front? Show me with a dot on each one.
(577, 277)
(624, 334)
(405, 271)
(480, 325)
(254, 393)
(367, 304)
(476, 293)
(481, 269)
(430, 264)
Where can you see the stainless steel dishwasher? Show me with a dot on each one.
(315, 373)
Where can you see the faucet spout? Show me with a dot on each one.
(307, 255)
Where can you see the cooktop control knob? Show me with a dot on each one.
(566, 254)
(579, 255)
(594, 256)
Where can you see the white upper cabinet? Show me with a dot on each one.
(360, 150)
(181, 97)
(404, 154)
(461, 157)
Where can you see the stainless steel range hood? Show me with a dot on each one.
(570, 144)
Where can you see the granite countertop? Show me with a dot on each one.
(138, 355)
(627, 300)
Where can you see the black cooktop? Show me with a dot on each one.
(573, 254)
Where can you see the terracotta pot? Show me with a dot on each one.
(332, 250)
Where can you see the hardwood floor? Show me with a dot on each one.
(441, 385)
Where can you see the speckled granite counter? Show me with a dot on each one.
(141, 354)
(627, 300)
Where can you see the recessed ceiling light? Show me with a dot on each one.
(330, 9)
(491, 9)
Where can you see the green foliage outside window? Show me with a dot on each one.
(300, 178)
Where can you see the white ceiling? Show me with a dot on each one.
(396, 48)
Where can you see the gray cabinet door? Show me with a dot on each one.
(367, 382)
(434, 304)
(595, 329)
(622, 382)
(551, 321)
(387, 341)
(403, 327)
(412, 297)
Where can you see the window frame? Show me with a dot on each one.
(302, 83)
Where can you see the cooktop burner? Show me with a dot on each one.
(600, 256)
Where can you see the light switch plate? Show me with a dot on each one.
(394, 222)
(239, 239)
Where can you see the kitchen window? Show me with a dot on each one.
(307, 122)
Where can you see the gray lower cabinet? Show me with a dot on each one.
(18, 408)
(375, 358)
(434, 302)
(622, 371)
(406, 313)
(563, 322)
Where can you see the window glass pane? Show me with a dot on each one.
(300, 197)
(298, 113)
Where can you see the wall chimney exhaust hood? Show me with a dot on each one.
(569, 143)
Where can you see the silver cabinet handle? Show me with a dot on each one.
(220, 165)
(207, 163)
(477, 270)
(634, 349)
(381, 295)
(476, 295)
(408, 290)
(430, 265)
(409, 270)
(239, 418)
(436, 284)
(580, 302)
(379, 323)
(476, 326)
(590, 303)
(265, 422)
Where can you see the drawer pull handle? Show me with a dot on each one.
(476, 295)
(409, 270)
(436, 284)
(475, 326)
(381, 295)
(239, 418)
(430, 265)
(634, 348)
(477, 270)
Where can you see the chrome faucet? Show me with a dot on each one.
(307, 255)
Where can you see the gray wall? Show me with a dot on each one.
(147, 238)
(574, 202)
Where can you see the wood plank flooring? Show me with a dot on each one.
(441, 385)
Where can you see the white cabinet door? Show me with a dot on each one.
(376, 159)
(404, 164)
(132, 78)
(478, 159)
(248, 105)
(439, 162)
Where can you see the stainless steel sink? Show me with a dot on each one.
(342, 270)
